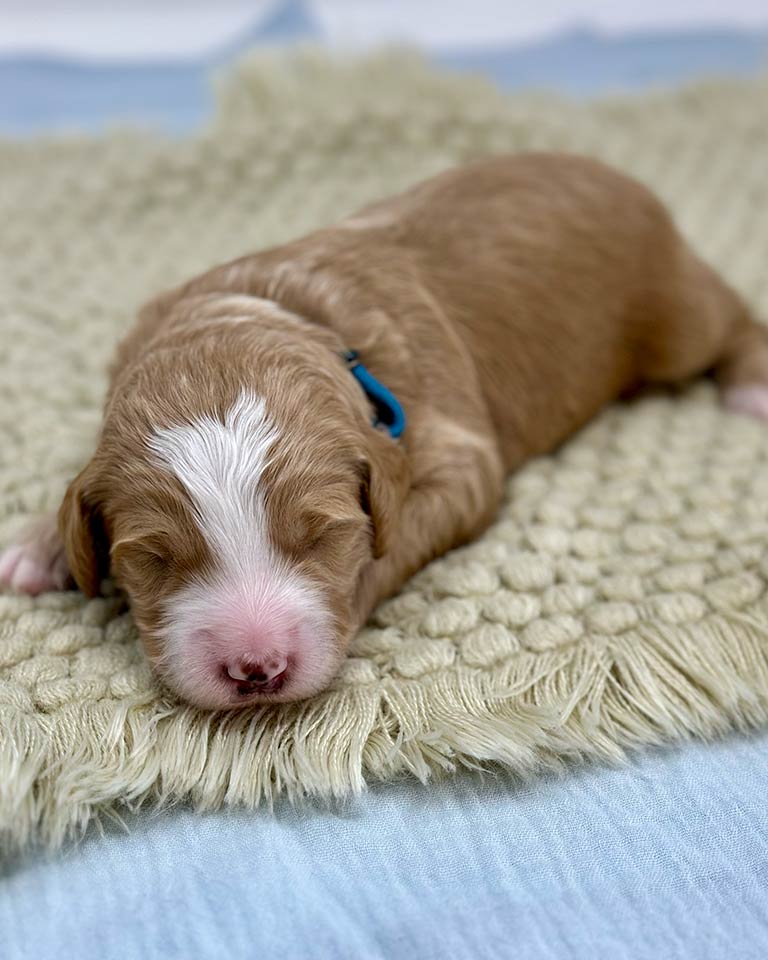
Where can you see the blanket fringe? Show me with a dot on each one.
(596, 699)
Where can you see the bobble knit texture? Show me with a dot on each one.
(620, 599)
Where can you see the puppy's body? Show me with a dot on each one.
(241, 494)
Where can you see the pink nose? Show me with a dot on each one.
(266, 676)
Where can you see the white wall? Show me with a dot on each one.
(475, 22)
(178, 28)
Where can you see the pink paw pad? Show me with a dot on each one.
(751, 399)
(31, 568)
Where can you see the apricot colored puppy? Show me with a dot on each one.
(250, 491)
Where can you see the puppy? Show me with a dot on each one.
(250, 490)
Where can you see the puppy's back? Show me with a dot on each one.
(569, 283)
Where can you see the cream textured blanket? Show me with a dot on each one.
(618, 601)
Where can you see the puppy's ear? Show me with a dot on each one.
(82, 530)
(385, 479)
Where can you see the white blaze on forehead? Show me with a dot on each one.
(220, 464)
(254, 607)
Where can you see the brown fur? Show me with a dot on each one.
(504, 303)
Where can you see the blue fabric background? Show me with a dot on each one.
(38, 94)
(665, 859)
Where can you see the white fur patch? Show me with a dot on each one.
(220, 466)
(370, 221)
(236, 308)
(254, 606)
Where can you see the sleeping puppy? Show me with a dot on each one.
(251, 491)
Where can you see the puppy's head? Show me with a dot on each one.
(237, 494)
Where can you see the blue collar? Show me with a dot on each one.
(389, 413)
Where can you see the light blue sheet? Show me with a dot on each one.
(666, 859)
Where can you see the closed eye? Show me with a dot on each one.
(154, 561)
(322, 531)
(148, 559)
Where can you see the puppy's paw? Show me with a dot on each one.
(37, 562)
(749, 398)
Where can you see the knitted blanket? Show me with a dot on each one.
(619, 600)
